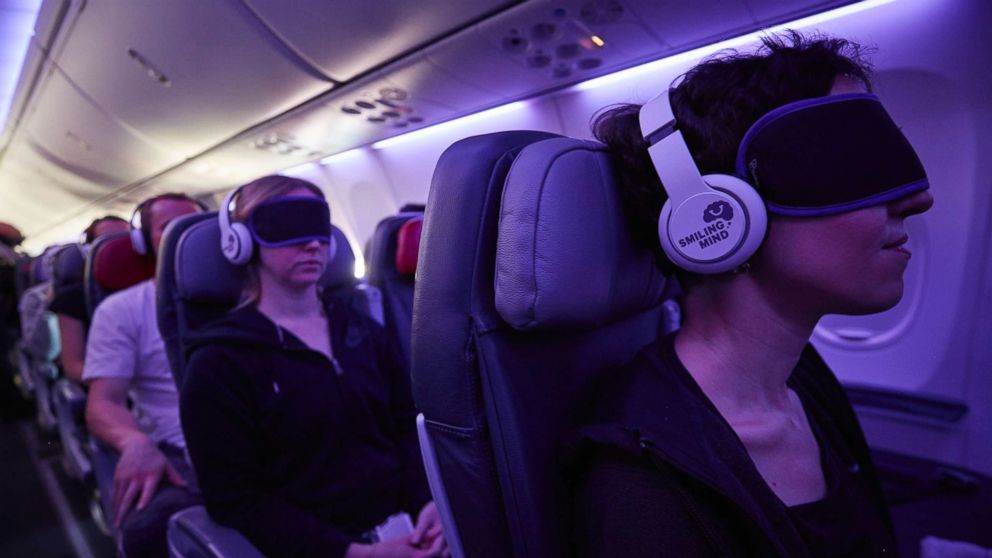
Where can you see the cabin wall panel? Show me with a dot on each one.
(358, 191)
(937, 89)
(409, 163)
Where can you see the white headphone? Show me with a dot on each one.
(709, 224)
(235, 239)
(139, 239)
(138, 242)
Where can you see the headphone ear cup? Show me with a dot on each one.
(237, 244)
(138, 241)
(754, 206)
(714, 231)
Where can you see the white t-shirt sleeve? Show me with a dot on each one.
(112, 346)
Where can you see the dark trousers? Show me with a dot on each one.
(142, 533)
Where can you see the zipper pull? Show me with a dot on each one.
(337, 366)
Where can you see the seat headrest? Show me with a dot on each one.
(69, 264)
(564, 255)
(408, 246)
(117, 266)
(204, 276)
(341, 270)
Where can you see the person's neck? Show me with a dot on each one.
(282, 304)
(741, 343)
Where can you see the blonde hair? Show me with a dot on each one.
(252, 195)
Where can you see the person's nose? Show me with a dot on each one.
(913, 204)
(312, 245)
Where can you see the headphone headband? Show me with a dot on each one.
(668, 150)
(236, 242)
(709, 224)
(140, 238)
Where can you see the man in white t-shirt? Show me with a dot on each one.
(125, 356)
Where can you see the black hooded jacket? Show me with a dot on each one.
(657, 471)
(301, 454)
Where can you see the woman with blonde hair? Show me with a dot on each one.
(296, 407)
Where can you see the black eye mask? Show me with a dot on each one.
(290, 220)
(829, 155)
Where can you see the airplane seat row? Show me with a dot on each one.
(392, 267)
(508, 345)
(197, 284)
(111, 265)
(39, 341)
(69, 398)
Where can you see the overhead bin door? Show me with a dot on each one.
(185, 74)
(74, 135)
(325, 32)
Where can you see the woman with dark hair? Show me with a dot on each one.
(732, 437)
(296, 408)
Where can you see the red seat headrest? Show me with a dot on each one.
(408, 245)
(117, 266)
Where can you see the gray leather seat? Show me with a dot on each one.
(111, 265)
(395, 284)
(529, 292)
(69, 398)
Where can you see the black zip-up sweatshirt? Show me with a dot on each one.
(299, 453)
(657, 471)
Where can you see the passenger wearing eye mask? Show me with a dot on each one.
(296, 406)
(732, 437)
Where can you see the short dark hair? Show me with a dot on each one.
(90, 231)
(145, 214)
(715, 103)
(145, 207)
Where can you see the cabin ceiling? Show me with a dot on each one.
(120, 99)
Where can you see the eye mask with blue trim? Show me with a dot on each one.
(290, 220)
(829, 155)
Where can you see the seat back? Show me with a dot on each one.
(392, 271)
(112, 265)
(529, 292)
(68, 267)
(69, 398)
(196, 284)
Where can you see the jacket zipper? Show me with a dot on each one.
(338, 370)
(710, 536)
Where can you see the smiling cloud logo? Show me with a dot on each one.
(718, 210)
(718, 217)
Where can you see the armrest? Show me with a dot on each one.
(192, 533)
(73, 397)
(373, 297)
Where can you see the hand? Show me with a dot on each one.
(137, 475)
(428, 534)
(393, 548)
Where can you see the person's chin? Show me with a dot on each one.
(880, 300)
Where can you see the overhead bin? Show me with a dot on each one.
(360, 113)
(70, 132)
(184, 74)
(28, 178)
(528, 49)
(324, 32)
